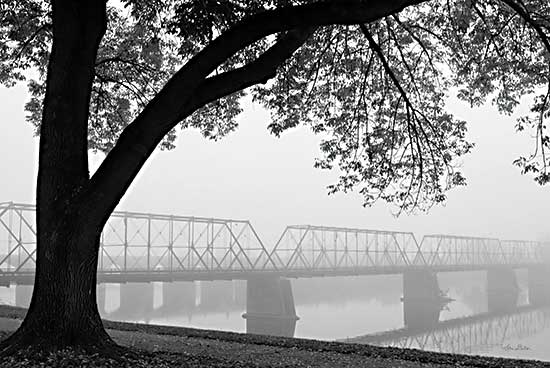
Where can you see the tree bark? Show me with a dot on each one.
(63, 309)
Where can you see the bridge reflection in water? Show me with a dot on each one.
(423, 329)
(504, 323)
(468, 335)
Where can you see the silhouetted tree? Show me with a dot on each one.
(369, 76)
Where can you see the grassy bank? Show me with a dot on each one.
(165, 346)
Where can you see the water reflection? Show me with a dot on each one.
(273, 325)
(201, 299)
(338, 308)
(474, 334)
(418, 314)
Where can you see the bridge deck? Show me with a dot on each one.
(27, 278)
(141, 247)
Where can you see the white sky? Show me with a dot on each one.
(253, 175)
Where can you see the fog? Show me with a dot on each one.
(271, 181)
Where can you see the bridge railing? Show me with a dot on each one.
(306, 247)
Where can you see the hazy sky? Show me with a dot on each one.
(254, 175)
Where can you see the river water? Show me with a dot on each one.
(346, 307)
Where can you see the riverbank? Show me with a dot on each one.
(166, 346)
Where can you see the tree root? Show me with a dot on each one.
(27, 344)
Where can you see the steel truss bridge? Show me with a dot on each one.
(474, 334)
(144, 247)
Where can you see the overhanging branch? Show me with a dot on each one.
(256, 72)
(134, 148)
(188, 88)
(183, 84)
(526, 16)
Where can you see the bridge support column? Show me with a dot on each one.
(502, 289)
(270, 307)
(136, 299)
(178, 295)
(100, 297)
(420, 285)
(23, 295)
(539, 285)
(422, 299)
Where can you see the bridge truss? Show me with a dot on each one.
(449, 250)
(135, 242)
(470, 335)
(331, 248)
(156, 247)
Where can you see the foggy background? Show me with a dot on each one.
(271, 181)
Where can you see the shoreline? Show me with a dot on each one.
(259, 350)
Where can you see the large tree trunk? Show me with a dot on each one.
(63, 310)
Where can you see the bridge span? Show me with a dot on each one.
(140, 248)
(144, 247)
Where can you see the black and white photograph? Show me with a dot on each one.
(274, 183)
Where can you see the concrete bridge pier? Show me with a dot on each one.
(539, 285)
(23, 295)
(178, 295)
(420, 285)
(502, 289)
(422, 299)
(136, 299)
(270, 307)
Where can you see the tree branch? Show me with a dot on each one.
(259, 71)
(256, 72)
(182, 85)
(174, 101)
(524, 13)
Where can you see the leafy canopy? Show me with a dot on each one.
(375, 92)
